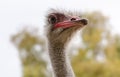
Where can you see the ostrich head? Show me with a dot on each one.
(61, 25)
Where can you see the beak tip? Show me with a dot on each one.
(84, 21)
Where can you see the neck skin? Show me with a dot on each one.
(61, 65)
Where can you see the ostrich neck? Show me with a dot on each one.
(61, 65)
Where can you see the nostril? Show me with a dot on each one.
(73, 19)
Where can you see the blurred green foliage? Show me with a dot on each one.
(99, 55)
(31, 48)
(97, 39)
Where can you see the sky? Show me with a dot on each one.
(16, 14)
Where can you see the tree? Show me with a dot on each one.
(31, 49)
(99, 56)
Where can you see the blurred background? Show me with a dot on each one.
(94, 51)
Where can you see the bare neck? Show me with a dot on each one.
(59, 60)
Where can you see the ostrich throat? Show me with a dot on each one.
(60, 62)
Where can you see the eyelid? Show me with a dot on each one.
(52, 15)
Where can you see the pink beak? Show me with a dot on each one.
(70, 23)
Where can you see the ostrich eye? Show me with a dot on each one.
(53, 20)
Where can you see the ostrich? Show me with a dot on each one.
(60, 27)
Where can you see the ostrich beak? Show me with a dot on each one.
(72, 22)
